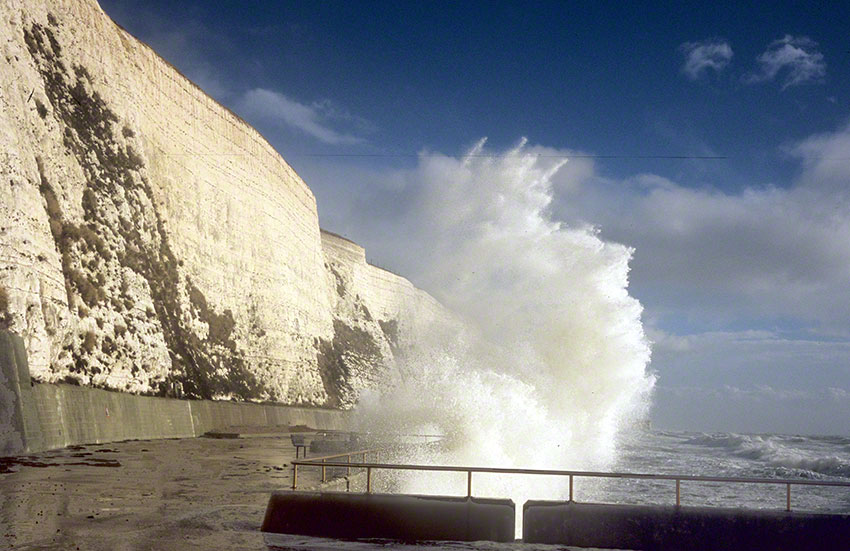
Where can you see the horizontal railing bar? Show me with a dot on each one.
(376, 434)
(318, 460)
(397, 434)
(591, 474)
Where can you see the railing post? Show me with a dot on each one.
(294, 476)
(348, 460)
(677, 493)
(468, 483)
(323, 469)
(788, 497)
(571, 488)
(368, 480)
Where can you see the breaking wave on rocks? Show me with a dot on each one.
(546, 363)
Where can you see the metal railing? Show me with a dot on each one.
(321, 462)
(678, 478)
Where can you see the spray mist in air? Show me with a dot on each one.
(546, 362)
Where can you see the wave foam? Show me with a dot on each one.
(549, 361)
(786, 453)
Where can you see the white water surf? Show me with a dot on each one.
(548, 362)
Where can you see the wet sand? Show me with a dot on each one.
(197, 493)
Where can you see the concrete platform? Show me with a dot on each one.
(194, 493)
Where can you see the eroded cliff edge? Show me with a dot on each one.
(152, 242)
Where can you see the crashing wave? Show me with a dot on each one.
(550, 363)
(787, 455)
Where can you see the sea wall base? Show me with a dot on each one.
(38, 417)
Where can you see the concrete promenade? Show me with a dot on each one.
(191, 493)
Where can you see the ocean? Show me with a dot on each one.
(692, 453)
(733, 455)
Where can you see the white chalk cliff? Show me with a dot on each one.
(153, 242)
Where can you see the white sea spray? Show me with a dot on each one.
(547, 363)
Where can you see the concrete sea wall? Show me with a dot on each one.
(41, 416)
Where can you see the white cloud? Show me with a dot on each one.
(267, 106)
(826, 162)
(331, 111)
(714, 53)
(795, 57)
(754, 256)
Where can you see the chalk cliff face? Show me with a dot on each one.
(152, 242)
(377, 315)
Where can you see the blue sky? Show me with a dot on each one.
(603, 77)
(741, 262)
